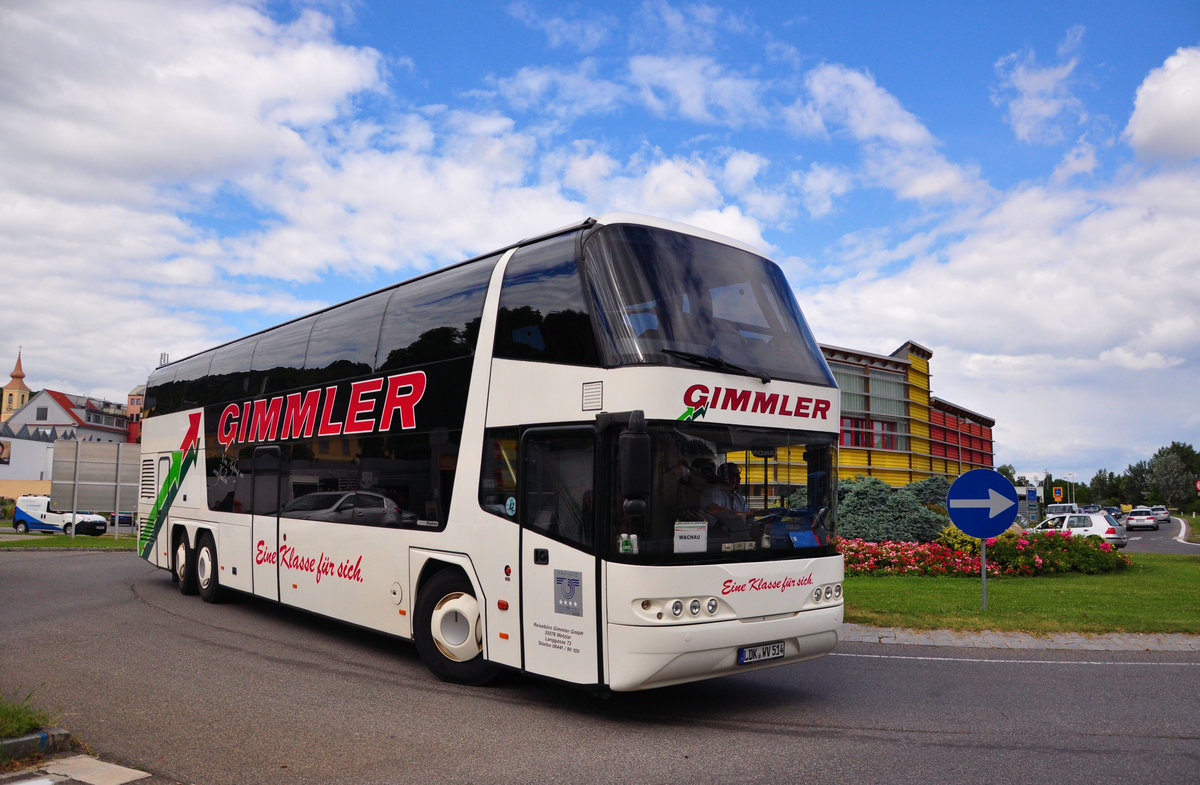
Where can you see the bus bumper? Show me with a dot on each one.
(642, 657)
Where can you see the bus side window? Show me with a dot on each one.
(498, 477)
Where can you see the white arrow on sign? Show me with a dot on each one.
(995, 503)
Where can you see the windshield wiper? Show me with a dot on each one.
(704, 361)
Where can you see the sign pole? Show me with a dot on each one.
(983, 569)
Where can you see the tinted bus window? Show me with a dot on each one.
(343, 341)
(279, 356)
(434, 318)
(229, 376)
(542, 312)
(168, 387)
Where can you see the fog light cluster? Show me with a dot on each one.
(832, 591)
(679, 609)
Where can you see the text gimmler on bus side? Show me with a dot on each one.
(300, 415)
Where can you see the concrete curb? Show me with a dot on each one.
(40, 743)
(988, 639)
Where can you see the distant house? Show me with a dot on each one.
(70, 417)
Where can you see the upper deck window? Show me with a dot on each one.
(665, 298)
(543, 315)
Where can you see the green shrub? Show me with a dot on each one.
(931, 492)
(956, 539)
(871, 510)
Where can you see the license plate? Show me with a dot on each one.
(766, 651)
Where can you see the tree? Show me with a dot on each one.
(1135, 486)
(1187, 455)
(1009, 471)
(1106, 487)
(1170, 478)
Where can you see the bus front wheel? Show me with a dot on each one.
(449, 631)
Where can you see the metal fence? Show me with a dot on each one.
(95, 477)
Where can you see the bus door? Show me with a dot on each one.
(269, 468)
(559, 586)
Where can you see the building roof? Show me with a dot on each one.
(960, 412)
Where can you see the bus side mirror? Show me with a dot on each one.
(633, 455)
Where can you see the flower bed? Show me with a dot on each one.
(1011, 554)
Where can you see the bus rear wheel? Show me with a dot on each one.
(207, 582)
(184, 570)
(449, 631)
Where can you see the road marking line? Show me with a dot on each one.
(1013, 662)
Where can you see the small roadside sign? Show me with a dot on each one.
(1058, 493)
(982, 502)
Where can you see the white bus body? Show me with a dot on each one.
(522, 480)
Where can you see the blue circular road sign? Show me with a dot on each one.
(982, 502)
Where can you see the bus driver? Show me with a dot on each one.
(724, 506)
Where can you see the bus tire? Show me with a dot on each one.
(207, 582)
(449, 628)
(184, 566)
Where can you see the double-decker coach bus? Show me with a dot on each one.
(605, 455)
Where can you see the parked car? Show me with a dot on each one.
(1141, 518)
(1092, 508)
(35, 513)
(1087, 524)
(1161, 514)
(1115, 512)
(363, 507)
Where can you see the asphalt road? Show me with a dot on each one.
(247, 692)
(1168, 539)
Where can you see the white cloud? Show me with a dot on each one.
(1166, 113)
(583, 33)
(561, 92)
(217, 89)
(1038, 99)
(820, 186)
(1081, 159)
(697, 88)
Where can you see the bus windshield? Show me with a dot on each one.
(724, 493)
(660, 297)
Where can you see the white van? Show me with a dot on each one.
(34, 514)
(1061, 509)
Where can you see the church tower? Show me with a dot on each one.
(16, 394)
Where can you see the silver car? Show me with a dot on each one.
(1141, 518)
(1161, 514)
(1087, 524)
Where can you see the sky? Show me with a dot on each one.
(1015, 186)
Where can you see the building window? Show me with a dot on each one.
(43, 413)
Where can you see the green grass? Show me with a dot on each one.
(1158, 594)
(105, 542)
(17, 717)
